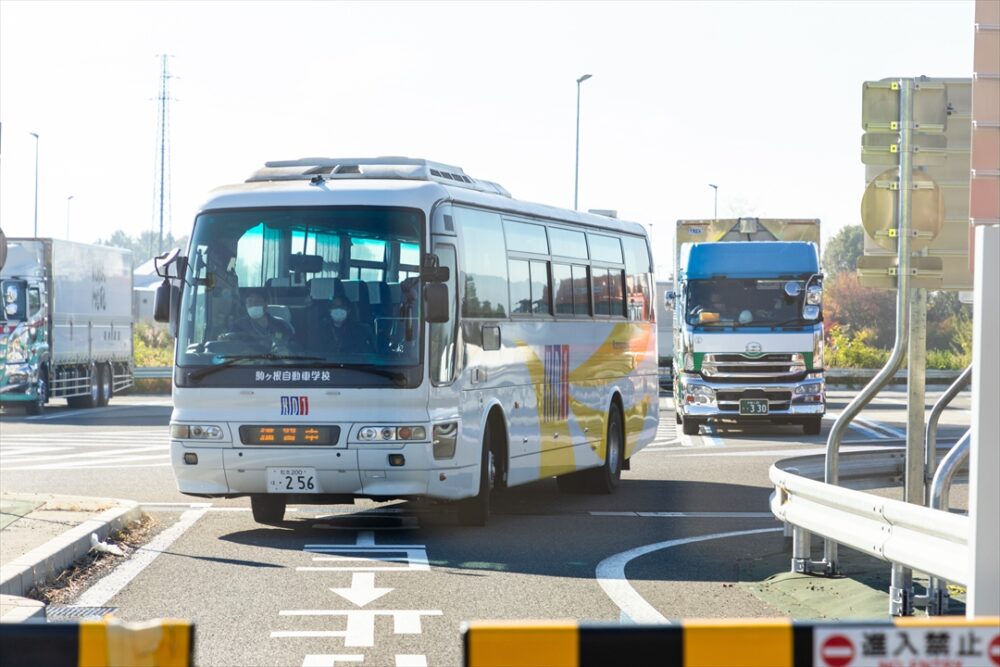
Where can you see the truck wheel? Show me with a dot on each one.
(37, 406)
(690, 426)
(268, 509)
(91, 398)
(812, 426)
(104, 384)
(476, 510)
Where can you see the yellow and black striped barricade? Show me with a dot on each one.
(97, 643)
(905, 642)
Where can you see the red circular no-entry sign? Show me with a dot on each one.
(837, 651)
(994, 650)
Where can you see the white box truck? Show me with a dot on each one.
(66, 322)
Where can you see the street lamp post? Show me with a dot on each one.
(715, 214)
(68, 200)
(576, 176)
(35, 135)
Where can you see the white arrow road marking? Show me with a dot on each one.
(611, 575)
(362, 590)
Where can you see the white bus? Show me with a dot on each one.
(487, 342)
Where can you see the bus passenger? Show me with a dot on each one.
(342, 333)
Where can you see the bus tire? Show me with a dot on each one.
(476, 510)
(690, 426)
(604, 480)
(268, 509)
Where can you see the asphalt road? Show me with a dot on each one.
(391, 583)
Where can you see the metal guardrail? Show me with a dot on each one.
(917, 537)
(153, 372)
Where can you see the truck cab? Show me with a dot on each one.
(748, 330)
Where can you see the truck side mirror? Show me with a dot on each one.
(436, 302)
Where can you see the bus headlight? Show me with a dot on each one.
(196, 432)
(391, 433)
(445, 439)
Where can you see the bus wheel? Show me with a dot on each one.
(268, 509)
(605, 479)
(476, 510)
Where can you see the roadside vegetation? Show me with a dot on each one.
(861, 321)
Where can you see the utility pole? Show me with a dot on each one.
(163, 185)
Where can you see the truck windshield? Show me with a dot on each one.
(331, 292)
(742, 302)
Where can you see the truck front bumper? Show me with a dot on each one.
(697, 397)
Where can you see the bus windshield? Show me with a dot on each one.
(310, 288)
(742, 302)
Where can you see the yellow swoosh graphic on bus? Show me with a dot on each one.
(609, 361)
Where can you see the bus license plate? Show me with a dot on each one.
(292, 480)
(753, 406)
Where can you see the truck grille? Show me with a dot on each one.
(742, 368)
(777, 399)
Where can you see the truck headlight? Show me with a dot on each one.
(811, 388)
(699, 394)
(814, 295)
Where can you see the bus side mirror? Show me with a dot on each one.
(436, 302)
(161, 302)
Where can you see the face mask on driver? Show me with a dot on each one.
(338, 314)
(256, 312)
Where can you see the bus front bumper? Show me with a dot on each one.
(357, 471)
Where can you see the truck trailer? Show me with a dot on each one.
(748, 323)
(65, 323)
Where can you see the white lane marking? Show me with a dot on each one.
(802, 451)
(611, 575)
(693, 515)
(710, 438)
(100, 593)
(320, 660)
(60, 415)
(871, 433)
(891, 430)
(360, 623)
(411, 660)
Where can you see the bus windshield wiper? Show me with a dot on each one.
(233, 359)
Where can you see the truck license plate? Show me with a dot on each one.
(292, 480)
(753, 406)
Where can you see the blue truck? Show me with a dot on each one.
(748, 323)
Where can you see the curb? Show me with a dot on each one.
(35, 567)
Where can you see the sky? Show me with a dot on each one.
(762, 99)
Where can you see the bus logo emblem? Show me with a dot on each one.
(295, 405)
(755, 348)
